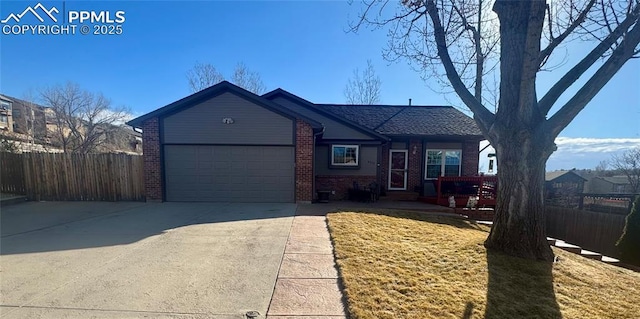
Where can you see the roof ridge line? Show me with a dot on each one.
(382, 105)
(392, 116)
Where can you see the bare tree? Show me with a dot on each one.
(247, 79)
(202, 76)
(460, 42)
(363, 87)
(81, 120)
(602, 169)
(628, 163)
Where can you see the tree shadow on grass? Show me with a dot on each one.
(520, 288)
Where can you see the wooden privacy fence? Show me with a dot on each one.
(11, 174)
(99, 177)
(594, 231)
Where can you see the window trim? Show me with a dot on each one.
(406, 169)
(443, 162)
(6, 104)
(332, 162)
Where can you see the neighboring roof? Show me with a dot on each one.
(213, 91)
(622, 180)
(19, 102)
(550, 176)
(304, 103)
(396, 120)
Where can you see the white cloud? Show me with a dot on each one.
(594, 145)
(577, 152)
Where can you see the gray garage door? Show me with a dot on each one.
(229, 173)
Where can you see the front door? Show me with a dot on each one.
(398, 169)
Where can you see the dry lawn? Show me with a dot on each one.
(407, 265)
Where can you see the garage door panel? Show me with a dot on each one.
(229, 173)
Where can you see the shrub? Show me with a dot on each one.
(629, 242)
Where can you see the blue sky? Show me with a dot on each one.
(300, 46)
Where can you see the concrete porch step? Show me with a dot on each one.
(610, 260)
(400, 196)
(591, 254)
(568, 247)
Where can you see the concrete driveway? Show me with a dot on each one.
(139, 260)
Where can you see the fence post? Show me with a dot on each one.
(581, 202)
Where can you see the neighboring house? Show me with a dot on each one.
(227, 144)
(6, 114)
(34, 128)
(563, 188)
(28, 119)
(610, 185)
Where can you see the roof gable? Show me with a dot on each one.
(323, 113)
(218, 89)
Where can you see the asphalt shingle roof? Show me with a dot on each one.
(549, 176)
(393, 120)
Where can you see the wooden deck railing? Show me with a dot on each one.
(463, 187)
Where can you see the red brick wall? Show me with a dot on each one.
(414, 165)
(304, 162)
(151, 154)
(470, 158)
(340, 184)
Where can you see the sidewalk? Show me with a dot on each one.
(307, 285)
(10, 199)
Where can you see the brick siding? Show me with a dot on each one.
(152, 165)
(414, 175)
(340, 184)
(304, 162)
(470, 158)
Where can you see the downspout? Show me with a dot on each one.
(313, 164)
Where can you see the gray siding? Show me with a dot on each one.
(229, 173)
(253, 124)
(368, 162)
(333, 129)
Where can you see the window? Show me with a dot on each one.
(16, 112)
(442, 163)
(344, 155)
(5, 106)
(4, 118)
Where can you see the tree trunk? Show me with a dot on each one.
(520, 136)
(519, 224)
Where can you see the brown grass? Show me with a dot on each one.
(407, 265)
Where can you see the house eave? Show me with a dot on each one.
(218, 89)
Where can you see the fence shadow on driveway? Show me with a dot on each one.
(56, 226)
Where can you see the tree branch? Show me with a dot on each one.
(547, 101)
(546, 52)
(483, 116)
(620, 55)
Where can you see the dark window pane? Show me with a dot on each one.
(451, 170)
(433, 171)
